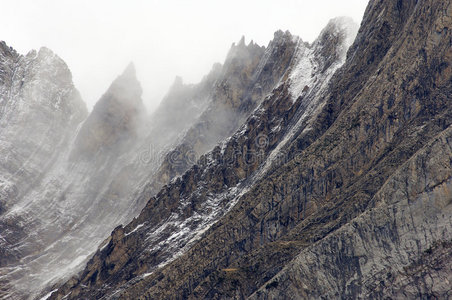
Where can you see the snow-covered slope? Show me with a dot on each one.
(63, 216)
(39, 106)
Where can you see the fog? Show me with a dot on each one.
(97, 39)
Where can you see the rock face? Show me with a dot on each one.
(338, 187)
(400, 248)
(115, 118)
(218, 105)
(89, 180)
(107, 166)
(249, 73)
(173, 221)
(39, 109)
(303, 171)
(56, 220)
(39, 105)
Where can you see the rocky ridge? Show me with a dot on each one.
(180, 214)
(323, 159)
(39, 105)
(107, 161)
(360, 206)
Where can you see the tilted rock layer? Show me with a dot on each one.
(358, 205)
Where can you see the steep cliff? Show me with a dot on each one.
(382, 107)
(400, 248)
(229, 102)
(39, 110)
(357, 205)
(171, 224)
(317, 170)
(39, 106)
(115, 120)
(65, 214)
(220, 103)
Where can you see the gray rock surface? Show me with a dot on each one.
(184, 210)
(359, 207)
(39, 107)
(399, 249)
(305, 171)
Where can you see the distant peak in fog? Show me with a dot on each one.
(130, 70)
(242, 43)
(126, 87)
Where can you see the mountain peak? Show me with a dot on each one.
(242, 41)
(279, 33)
(44, 51)
(335, 39)
(126, 87)
(130, 71)
(6, 50)
(115, 117)
(345, 27)
(241, 49)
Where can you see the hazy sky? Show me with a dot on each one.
(165, 38)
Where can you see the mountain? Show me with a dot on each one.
(39, 105)
(338, 185)
(56, 219)
(104, 167)
(115, 118)
(182, 211)
(39, 108)
(295, 170)
(81, 173)
(248, 74)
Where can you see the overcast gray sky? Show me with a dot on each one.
(97, 39)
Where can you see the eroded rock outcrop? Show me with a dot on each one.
(359, 206)
(39, 106)
(173, 221)
(400, 248)
(115, 120)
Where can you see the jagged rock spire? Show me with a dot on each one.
(115, 117)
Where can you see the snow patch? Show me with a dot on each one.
(303, 74)
(48, 295)
(136, 228)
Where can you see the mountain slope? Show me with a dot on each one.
(56, 221)
(249, 73)
(100, 175)
(172, 221)
(39, 105)
(335, 177)
(90, 186)
(360, 199)
(400, 248)
(115, 119)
